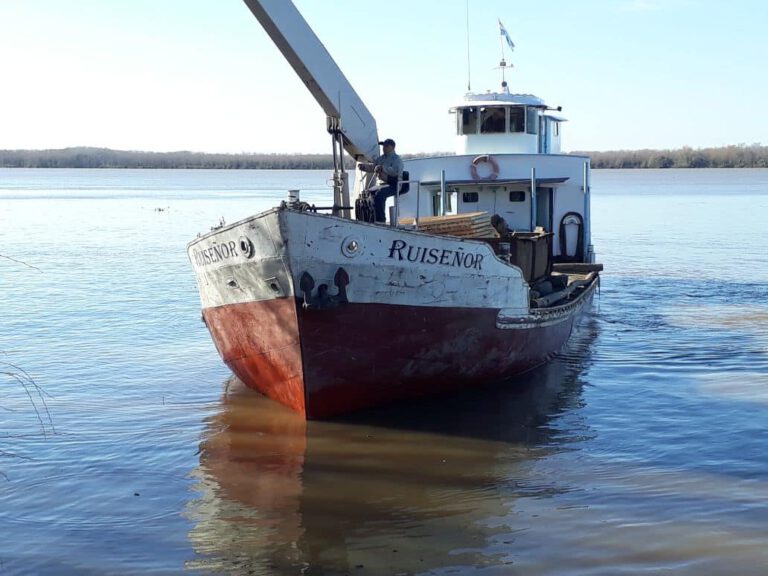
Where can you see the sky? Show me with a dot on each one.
(202, 75)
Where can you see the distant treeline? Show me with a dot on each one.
(106, 158)
(741, 156)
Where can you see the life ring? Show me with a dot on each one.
(485, 159)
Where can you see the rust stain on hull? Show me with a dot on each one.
(259, 341)
(323, 363)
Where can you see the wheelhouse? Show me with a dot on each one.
(503, 123)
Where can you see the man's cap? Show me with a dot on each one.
(387, 142)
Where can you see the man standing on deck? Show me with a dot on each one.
(389, 168)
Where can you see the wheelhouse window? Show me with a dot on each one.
(517, 196)
(493, 120)
(467, 119)
(517, 119)
(470, 197)
(532, 124)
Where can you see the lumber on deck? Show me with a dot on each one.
(469, 225)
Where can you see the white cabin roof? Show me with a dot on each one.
(491, 98)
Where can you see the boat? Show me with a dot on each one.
(481, 274)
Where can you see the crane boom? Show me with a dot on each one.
(311, 61)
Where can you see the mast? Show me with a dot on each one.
(348, 118)
(504, 36)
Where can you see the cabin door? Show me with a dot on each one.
(515, 207)
(544, 208)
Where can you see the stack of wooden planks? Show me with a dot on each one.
(469, 225)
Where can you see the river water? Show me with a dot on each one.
(126, 448)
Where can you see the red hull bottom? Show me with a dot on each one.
(323, 363)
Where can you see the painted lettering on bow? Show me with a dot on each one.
(215, 253)
(401, 250)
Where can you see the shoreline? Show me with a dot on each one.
(739, 156)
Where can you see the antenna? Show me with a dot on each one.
(469, 86)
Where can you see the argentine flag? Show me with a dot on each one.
(506, 35)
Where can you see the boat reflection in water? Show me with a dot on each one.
(409, 489)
